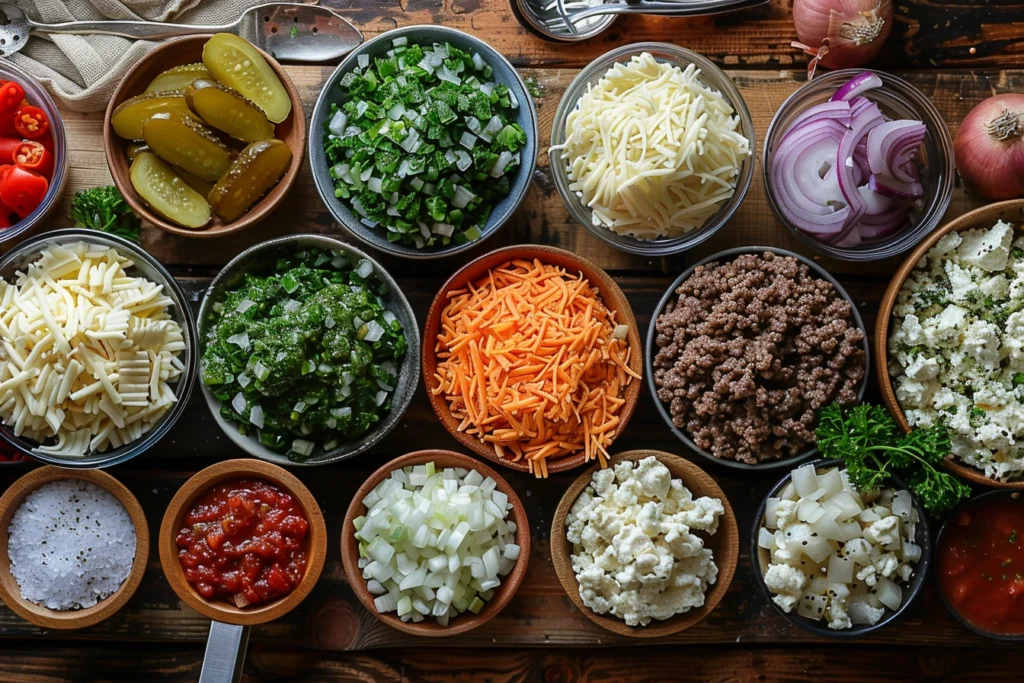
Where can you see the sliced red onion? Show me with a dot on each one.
(867, 118)
(851, 239)
(892, 144)
(862, 82)
(839, 111)
(890, 187)
(823, 220)
(877, 204)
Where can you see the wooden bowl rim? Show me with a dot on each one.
(967, 221)
(200, 483)
(728, 531)
(467, 620)
(112, 146)
(70, 619)
(613, 298)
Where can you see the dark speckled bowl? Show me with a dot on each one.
(760, 560)
(263, 256)
(332, 94)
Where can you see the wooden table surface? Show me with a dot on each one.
(540, 635)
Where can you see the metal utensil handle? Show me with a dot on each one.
(653, 7)
(138, 30)
(225, 653)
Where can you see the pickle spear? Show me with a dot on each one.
(234, 62)
(200, 186)
(178, 77)
(183, 141)
(134, 150)
(130, 115)
(257, 168)
(166, 193)
(227, 111)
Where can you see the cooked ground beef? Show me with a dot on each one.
(750, 351)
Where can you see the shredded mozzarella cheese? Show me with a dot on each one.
(86, 351)
(651, 150)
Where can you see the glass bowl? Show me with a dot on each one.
(712, 76)
(898, 100)
(145, 266)
(38, 96)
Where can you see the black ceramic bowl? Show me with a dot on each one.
(759, 557)
(973, 502)
(650, 352)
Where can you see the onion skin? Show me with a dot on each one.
(841, 34)
(989, 147)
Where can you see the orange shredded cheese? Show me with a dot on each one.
(530, 363)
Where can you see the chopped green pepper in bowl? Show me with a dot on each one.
(309, 350)
(424, 142)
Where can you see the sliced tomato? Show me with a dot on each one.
(32, 122)
(22, 190)
(33, 156)
(11, 96)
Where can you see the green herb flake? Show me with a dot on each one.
(294, 32)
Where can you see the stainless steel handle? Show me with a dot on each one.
(225, 653)
(136, 30)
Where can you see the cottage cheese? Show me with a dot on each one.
(634, 551)
(957, 346)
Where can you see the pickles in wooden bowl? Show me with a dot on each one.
(226, 157)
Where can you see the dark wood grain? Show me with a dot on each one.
(32, 662)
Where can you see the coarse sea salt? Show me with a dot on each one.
(71, 544)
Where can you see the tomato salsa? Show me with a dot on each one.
(243, 541)
(981, 565)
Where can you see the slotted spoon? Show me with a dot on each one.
(287, 30)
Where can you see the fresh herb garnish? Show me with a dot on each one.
(425, 143)
(534, 87)
(874, 448)
(104, 209)
(294, 32)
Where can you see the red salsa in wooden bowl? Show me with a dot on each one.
(244, 541)
(981, 565)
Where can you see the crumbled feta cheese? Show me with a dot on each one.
(987, 249)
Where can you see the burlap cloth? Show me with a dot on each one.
(81, 72)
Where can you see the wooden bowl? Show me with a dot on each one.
(724, 543)
(70, 619)
(1011, 211)
(466, 621)
(613, 298)
(200, 483)
(188, 50)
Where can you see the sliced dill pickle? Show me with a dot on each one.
(134, 150)
(130, 115)
(178, 77)
(227, 111)
(257, 168)
(200, 186)
(166, 193)
(234, 62)
(184, 142)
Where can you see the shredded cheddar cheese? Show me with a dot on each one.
(533, 363)
(651, 150)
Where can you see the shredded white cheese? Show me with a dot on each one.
(86, 351)
(651, 150)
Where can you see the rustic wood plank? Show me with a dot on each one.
(543, 217)
(35, 663)
(926, 33)
(540, 615)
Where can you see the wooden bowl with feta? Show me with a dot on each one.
(243, 503)
(685, 514)
(950, 319)
(445, 563)
(36, 532)
(836, 562)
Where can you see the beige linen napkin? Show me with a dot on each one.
(81, 72)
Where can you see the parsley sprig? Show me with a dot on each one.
(104, 209)
(874, 448)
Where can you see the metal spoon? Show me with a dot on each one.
(287, 30)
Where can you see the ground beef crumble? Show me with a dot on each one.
(750, 351)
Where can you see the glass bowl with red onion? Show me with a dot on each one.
(859, 165)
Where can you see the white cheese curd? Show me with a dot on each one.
(957, 346)
(837, 555)
(635, 553)
(87, 351)
(651, 150)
